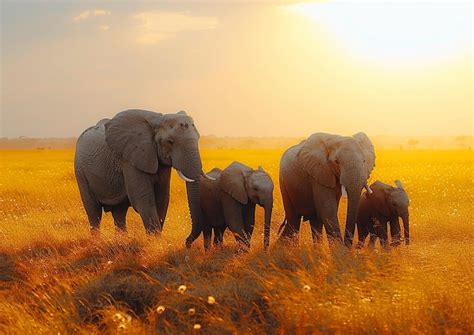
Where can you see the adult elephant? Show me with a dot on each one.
(312, 174)
(230, 201)
(385, 204)
(127, 161)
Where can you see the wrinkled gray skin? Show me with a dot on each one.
(230, 201)
(385, 204)
(311, 176)
(126, 161)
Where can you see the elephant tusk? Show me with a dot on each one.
(208, 177)
(367, 187)
(186, 179)
(343, 191)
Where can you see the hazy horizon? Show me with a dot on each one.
(248, 70)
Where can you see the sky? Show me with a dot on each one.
(248, 69)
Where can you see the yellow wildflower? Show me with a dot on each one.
(211, 300)
(160, 309)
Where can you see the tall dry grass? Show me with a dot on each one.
(56, 278)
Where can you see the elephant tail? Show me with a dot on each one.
(283, 224)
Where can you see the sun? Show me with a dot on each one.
(394, 32)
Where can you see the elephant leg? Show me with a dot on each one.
(119, 213)
(374, 230)
(162, 193)
(92, 207)
(327, 203)
(219, 235)
(249, 219)
(141, 194)
(234, 220)
(362, 232)
(291, 229)
(291, 226)
(151, 221)
(316, 229)
(94, 214)
(193, 236)
(395, 231)
(372, 240)
(382, 234)
(207, 233)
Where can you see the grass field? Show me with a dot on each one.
(57, 279)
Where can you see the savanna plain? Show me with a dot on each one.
(55, 278)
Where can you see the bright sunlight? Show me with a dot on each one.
(393, 33)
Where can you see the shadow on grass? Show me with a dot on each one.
(131, 287)
(182, 282)
(10, 270)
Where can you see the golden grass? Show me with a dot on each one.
(56, 278)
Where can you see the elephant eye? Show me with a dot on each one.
(255, 188)
(170, 142)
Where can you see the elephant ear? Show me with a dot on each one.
(131, 135)
(214, 173)
(233, 181)
(367, 149)
(314, 156)
(399, 184)
(379, 198)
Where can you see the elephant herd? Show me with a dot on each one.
(126, 161)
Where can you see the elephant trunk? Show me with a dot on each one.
(193, 192)
(353, 199)
(268, 207)
(189, 164)
(188, 161)
(406, 228)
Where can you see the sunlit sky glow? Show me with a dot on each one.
(393, 33)
(239, 69)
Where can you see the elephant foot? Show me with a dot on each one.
(153, 232)
(385, 246)
(359, 246)
(395, 243)
(348, 239)
(95, 231)
(189, 242)
(120, 231)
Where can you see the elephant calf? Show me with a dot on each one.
(385, 204)
(230, 200)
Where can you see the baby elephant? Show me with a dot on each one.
(230, 199)
(385, 204)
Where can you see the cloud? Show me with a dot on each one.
(89, 13)
(104, 27)
(154, 27)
